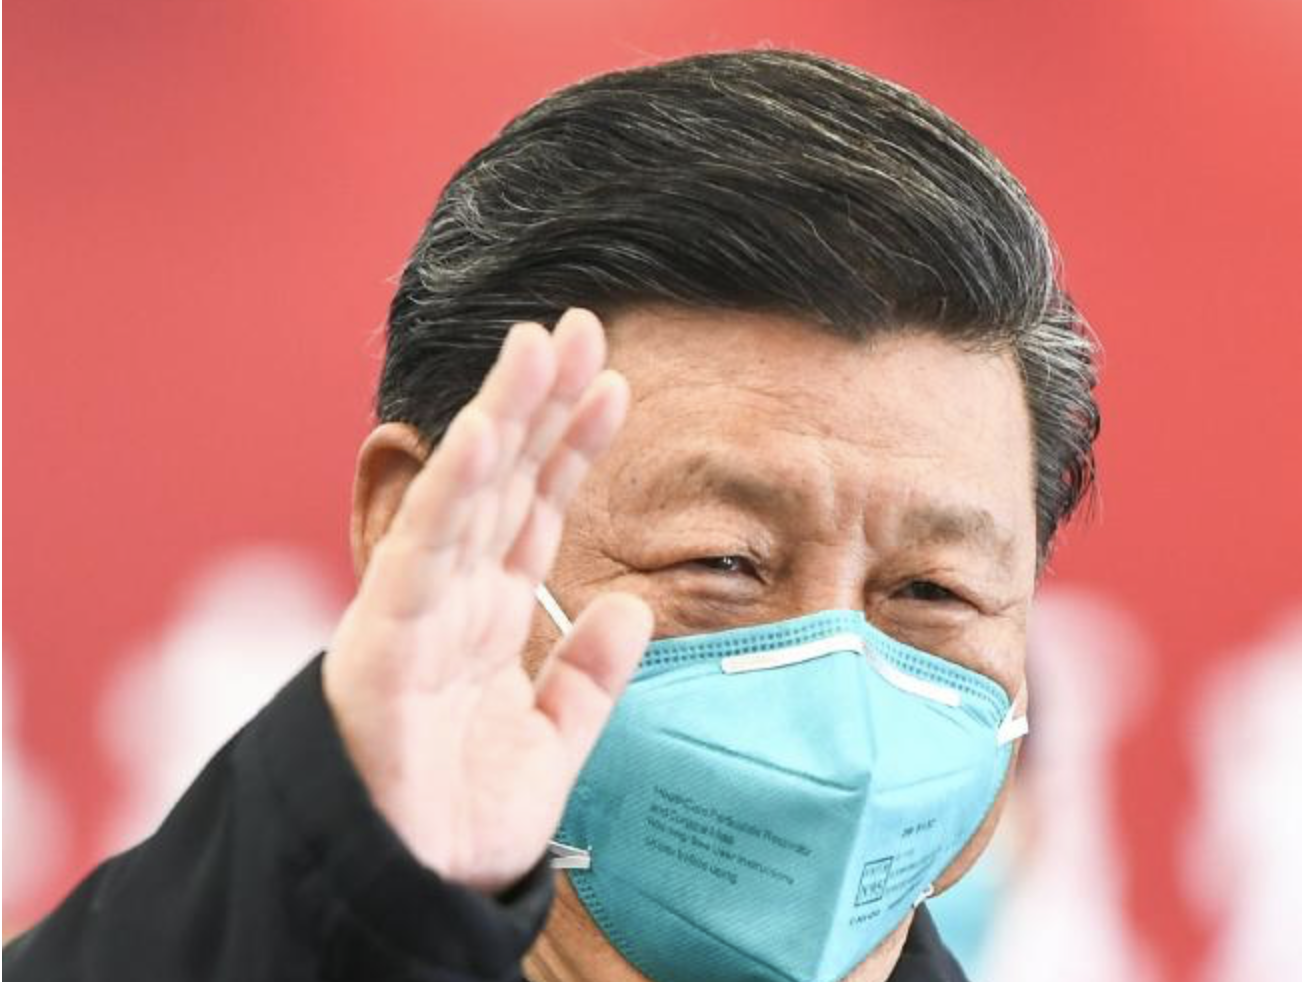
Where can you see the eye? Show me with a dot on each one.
(927, 591)
(732, 564)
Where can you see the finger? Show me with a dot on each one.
(440, 498)
(592, 429)
(453, 493)
(516, 385)
(589, 669)
(512, 395)
(525, 365)
(579, 349)
(518, 388)
(522, 375)
(402, 572)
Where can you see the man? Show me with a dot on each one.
(846, 409)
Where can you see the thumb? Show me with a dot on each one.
(589, 668)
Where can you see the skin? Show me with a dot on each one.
(804, 472)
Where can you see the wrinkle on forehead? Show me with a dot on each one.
(707, 473)
(910, 433)
(700, 476)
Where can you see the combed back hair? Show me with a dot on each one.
(762, 181)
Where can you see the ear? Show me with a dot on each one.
(388, 460)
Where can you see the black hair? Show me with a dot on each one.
(767, 181)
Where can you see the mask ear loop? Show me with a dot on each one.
(561, 855)
(1012, 726)
(551, 607)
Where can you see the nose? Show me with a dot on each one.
(825, 579)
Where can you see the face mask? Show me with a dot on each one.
(768, 803)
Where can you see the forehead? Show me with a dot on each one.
(882, 426)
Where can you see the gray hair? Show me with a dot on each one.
(768, 181)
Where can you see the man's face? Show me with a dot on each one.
(768, 470)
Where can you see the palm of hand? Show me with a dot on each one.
(467, 757)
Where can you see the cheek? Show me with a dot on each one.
(983, 835)
(582, 569)
(543, 636)
(1008, 670)
(1000, 647)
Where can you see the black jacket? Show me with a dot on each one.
(275, 865)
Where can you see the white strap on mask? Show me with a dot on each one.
(563, 856)
(944, 694)
(1012, 726)
(811, 650)
(759, 661)
(551, 607)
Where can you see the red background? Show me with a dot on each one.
(205, 203)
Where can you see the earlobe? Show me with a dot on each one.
(390, 457)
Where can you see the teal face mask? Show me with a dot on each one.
(768, 803)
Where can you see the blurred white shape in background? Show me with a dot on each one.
(246, 624)
(36, 826)
(1243, 854)
(1062, 909)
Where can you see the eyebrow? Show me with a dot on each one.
(949, 524)
(924, 523)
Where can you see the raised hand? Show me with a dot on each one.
(468, 758)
